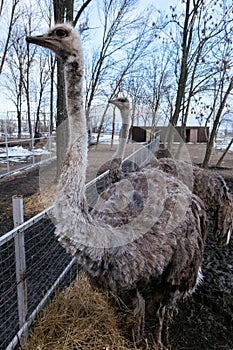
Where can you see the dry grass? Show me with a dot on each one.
(40, 200)
(78, 318)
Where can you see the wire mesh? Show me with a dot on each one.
(45, 261)
(8, 294)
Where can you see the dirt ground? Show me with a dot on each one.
(204, 321)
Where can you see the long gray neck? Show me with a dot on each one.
(76, 117)
(73, 176)
(123, 137)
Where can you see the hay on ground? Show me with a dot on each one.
(78, 318)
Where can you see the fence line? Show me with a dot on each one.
(11, 234)
(32, 159)
(43, 264)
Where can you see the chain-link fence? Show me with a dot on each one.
(33, 264)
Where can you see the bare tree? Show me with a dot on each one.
(118, 51)
(12, 19)
(223, 98)
(219, 162)
(46, 8)
(19, 60)
(44, 77)
(200, 30)
(187, 31)
(134, 87)
(17, 82)
(157, 81)
(14, 86)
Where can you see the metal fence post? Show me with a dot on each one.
(20, 264)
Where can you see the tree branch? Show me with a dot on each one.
(80, 11)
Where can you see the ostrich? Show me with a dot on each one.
(147, 243)
(115, 165)
(210, 186)
(122, 103)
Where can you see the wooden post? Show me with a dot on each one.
(17, 203)
(20, 264)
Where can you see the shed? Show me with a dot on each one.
(139, 134)
(194, 134)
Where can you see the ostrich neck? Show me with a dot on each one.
(76, 117)
(73, 177)
(123, 135)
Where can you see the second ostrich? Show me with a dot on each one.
(208, 185)
(148, 242)
(115, 165)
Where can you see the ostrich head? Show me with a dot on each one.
(61, 39)
(64, 41)
(121, 102)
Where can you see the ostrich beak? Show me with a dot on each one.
(44, 41)
(38, 40)
(110, 101)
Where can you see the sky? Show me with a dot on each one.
(7, 105)
(143, 4)
(159, 4)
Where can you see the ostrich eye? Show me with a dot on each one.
(61, 33)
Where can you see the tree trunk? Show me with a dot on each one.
(61, 120)
(183, 70)
(51, 126)
(19, 121)
(62, 132)
(101, 123)
(210, 142)
(113, 125)
(153, 123)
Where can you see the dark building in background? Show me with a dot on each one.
(194, 134)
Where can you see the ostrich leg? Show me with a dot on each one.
(139, 313)
(158, 332)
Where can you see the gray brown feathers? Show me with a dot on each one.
(211, 188)
(169, 252)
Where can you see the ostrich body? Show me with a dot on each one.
(147, 242)
(212, 189)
